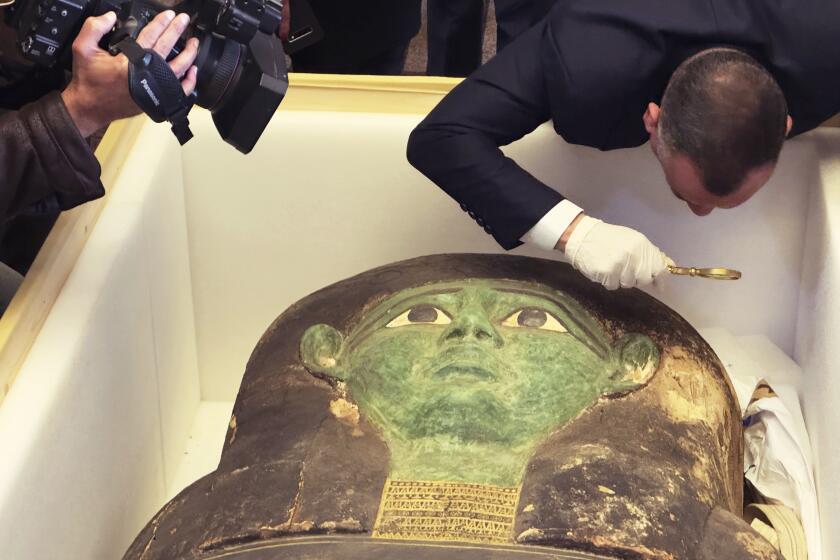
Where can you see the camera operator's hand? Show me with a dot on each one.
(98, 91)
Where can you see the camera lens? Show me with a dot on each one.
(218, 62)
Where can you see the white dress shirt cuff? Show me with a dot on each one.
(547, 232)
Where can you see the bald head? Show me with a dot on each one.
(726, 114)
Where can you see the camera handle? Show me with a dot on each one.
(155, 88)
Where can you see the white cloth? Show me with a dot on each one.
(776, 463)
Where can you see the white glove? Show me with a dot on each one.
(615, 256)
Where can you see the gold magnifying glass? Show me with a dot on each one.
(714, 273)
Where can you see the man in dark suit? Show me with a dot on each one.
(456, 31)
(720, 85)
(367, 37)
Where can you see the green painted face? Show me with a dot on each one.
(476, 365)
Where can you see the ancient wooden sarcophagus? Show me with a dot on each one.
(472, 406)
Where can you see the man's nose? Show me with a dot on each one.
(472, 326)
(700, 210)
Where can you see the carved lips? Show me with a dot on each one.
(468, 360)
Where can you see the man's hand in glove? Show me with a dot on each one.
(613, 256)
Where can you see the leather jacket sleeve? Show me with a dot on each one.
(44, 160)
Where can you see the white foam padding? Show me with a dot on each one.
(817, 341)
(94, 426)
(204, 445)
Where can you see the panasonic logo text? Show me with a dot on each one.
(149, 91)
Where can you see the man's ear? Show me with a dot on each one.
(789, 125)
(651, 118)
(637, 360)
(320, 349)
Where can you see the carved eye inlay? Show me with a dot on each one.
(420, 315)
(534, 318)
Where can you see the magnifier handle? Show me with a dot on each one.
(713, 273)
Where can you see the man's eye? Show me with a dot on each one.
(533, 318)
(420, 315)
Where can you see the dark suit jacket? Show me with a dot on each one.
(591, 67)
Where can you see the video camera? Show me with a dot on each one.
(242, 75)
